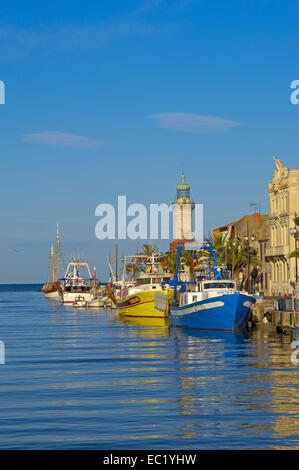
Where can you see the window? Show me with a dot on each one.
(219, 285)
(141, 282)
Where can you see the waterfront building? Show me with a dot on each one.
(283, 192)
(253, 230)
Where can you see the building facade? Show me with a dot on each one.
(283, 192)
(255, 228)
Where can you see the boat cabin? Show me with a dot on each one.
(145, 282)
(148, 279)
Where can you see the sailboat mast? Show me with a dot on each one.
(95, 283)
(51, 277)
(52, 268)
(116, 249)
(58, 261)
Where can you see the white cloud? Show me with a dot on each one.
(195, 123)
(56, 138)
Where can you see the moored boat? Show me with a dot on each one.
(74, 284)
(95, 301)
(51, 290)
(52, 286)
(80, 302)
(213, 304)
(138, 300)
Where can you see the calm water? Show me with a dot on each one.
(88, 379)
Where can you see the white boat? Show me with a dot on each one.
(80, 302)
(107, 302)
(52, 294)
(74, 284)
(95, 303)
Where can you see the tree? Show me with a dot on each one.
(188, 260)
(233, 254)
(148, 250)
(237, 258)
(171, 262)
(133, 269)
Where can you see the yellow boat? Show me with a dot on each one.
(138, 300)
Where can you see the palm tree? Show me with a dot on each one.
(233, 254)
(171, 262)
(132, 269)
(148, 250)
(237, 258)
(221, 245)
(188, 260)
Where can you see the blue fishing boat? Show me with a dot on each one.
(212, 304)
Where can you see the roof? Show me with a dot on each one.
(182, 185)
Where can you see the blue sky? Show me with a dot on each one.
(110, 98)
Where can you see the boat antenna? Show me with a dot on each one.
(116, 249)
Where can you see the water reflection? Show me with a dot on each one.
(157, 327)
(247, 375)
(98, 380)
(212, 335)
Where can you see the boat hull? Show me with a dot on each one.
(225, 312)
(141, 304)
(52, 294)
(95, 303)
(70, 297)
(80, 304)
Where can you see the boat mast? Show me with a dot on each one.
(95, 283)
(58, 260)
(116, 247)
(52, 267)
(110, 269)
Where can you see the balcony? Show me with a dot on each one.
(277, 251)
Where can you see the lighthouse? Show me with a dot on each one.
(182, 209)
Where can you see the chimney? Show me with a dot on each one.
(256, 217)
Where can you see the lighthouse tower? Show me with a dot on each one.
(183, 208)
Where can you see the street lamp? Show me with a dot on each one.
(247, 240)
(295, 233)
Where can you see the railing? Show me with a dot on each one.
(277, 251)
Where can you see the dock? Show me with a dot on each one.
(267, 311)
